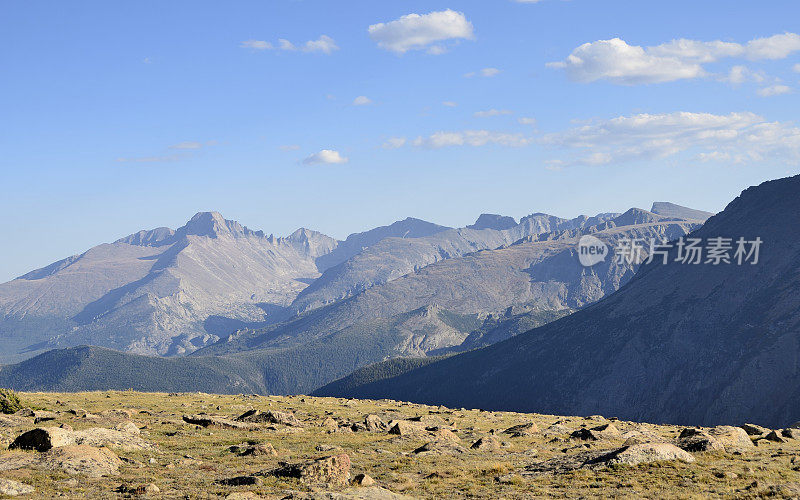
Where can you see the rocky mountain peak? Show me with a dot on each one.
(214, 225)
(493, 221)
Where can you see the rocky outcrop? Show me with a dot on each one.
(270, 417)
(645, 454)
(333, 470)
(12, 488)
(46, 438)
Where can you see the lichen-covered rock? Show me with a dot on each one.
(333, 470)
(646, 453)
(82, 459)
(11, 488)
(270, 417)
(522, 430)
(487, 443)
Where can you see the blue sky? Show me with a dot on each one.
(120, 116)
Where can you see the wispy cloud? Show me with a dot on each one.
(493, 112)
(450, 104)
(362, 100)
(256, 45)
(324, 44)
(474, 138)
(618, 62)
(394, 143)
(774, 90)
(735, 137)
(422, 32)
(326, 157)
(485, 72)
(152, 159)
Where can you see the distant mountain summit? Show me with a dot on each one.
(668, 209)
(493, 221)
(683, 343)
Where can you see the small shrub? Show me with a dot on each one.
(9, 401)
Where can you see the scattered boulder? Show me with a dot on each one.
(330, 424)
(732, 438)
(270, 417)
(333, 470)
(791, 433)
(363, 480)
(605, 431)
(45, 438)
(406, 428)
(755, 430)
(556, 430)
(83, 459)
(373, 423)
(644, 454)
(11, 488)
(440, 447)
(142, 489)
(241, 481)
(259, 450)
(522, 430)
(43, 416)
(487, 443)
(774, 437)
(204, 420)
(693, 439)
(127, 426)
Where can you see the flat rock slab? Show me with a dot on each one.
(644, 454)
(72, 459)
(46, 438)
(270, 417)
(333, 470)
(12, 488)
(204, 420)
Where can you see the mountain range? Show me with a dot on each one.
(288, 315)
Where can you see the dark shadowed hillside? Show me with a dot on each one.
(699, 344)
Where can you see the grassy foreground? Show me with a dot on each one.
(189, 461)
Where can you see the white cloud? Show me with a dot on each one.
(736, 137)
(473, 138)
(773, 47)
(256, 44)
(151, 159)
(796, 68)
(187, 145)
(327, 157)
(394, 143)
(450, 104)
(618, 62)
(420, 32)
(362, 100)
(485, 72)
(324, 44)
(741, 74)
(774, 90)
(527, 121)
(493, 112)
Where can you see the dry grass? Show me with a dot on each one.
(190, 460)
